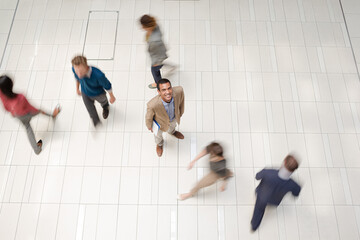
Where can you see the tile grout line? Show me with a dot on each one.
(147, 167)
(39, 210)
(123, 135)
(62, 145)
(173, 204)
(126, 106)
(29, 165)
(300, 122)
(10, 29)
(81, 209)
(124, 145)
(348, 34)
(352, 51)
(215, 133)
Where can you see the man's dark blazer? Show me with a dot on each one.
(272, 188)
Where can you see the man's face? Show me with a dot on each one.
(165, 92)
(81, 70)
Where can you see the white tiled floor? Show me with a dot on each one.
(263, 77)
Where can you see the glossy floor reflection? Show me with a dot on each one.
(263, 77)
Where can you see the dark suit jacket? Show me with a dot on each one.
(272, 188)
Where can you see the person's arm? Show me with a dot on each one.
(78, 88)
(112, 97)
(182, 104)
(260, 175)
(200, 155)
(296, 189)
(77, 82)
(149, 118)
(105, 83)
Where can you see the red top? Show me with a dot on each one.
(18, 106)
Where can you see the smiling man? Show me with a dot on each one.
(166, 109)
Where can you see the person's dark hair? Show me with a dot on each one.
(214, 148)
(162, 81)
(291, 163)
(6, 86)
(147, 21)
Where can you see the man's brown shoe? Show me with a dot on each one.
(178, 135)
(159, 150)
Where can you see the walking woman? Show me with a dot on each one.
(156, 48)
(20, 108)
(217, 167)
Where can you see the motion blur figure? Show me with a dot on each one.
(93, 84)
(273, 187)
(156, 49)
(20, 108)
(217, 167)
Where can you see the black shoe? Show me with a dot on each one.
(39, 144)
(96, 124)
(105, 112)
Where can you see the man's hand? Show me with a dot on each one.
(150, 129)
(78, 92)
(112, 97)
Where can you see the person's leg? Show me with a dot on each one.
(259, 211)
(172, 127)
(168, 69)
(206, 181)
(159, 140)
(155, 70)
(228, 175)
(30, 133)
(103, 100)
(89, 104)
(173, 132)
(159, 143)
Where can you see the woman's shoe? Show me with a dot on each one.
(152, 86)
(39, 143)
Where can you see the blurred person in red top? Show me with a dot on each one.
(19, 107)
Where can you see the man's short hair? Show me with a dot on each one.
(79, 60)
(291, 163)
(162, 81)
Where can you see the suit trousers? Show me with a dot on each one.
(258, 214)
(159, 140)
